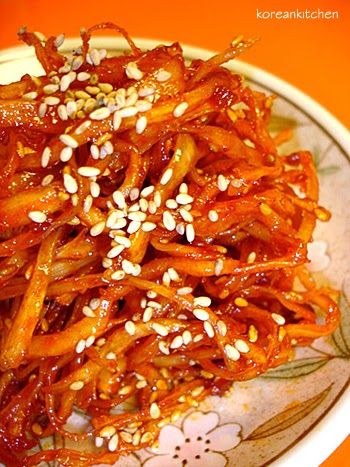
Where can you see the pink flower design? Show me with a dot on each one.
(317, 254)
(200, 442)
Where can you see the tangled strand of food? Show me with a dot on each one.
(151, 239)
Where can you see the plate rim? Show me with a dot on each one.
(331, 430)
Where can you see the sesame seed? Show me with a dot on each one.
(118, 275)
(97, 229)
(70, 183)
(128, 112)
(166, 279)
(127, 266)
(65, 83)
(113, 443)
(201, 314)
(147, 314)
(68, 140)
(143, 106)
(184, 290)
(223, 183)
(124, 390)
(42, 110)
(94, 189)
(171, 204)
(180, 109)
(197, 391)
(135, 207)
(176, 342)
(134, 194)
(242, 302)
(113, 217)
(37, 216)
(265, 209)
(137, 216)
(126, 437)
(50, 88)
(122, 241)
(168, 221)
(186, 337)
(115, 251)
(222, 328)
(202, 301)
(119, 199)
(77, 62)
(119, 224)
(251, 257)
(157, 199)
(152, 207)
(100, 114)
(163, 347)
(83, 76)
(278, 319)
(131, 99)
(180, 229)
(62, 112)
(86, 171)
(76, 386)
(98, 441)
(89, 341)
(30, 95)
(107, 431)
(218, 267)
(209, 329)
(133, 227)
(47, 180)
(184, 198)
(190, 233)
(111, 356)
(186, 216)
(83, 127)
(198, 338)
(59, 40)
(45, 157)
(130, 328)
(166, 177)
(160, 329)
(213, 216)
(148, 190)
(143, 204)
(154, 410)
(94, 151)
(162, 75)
(93, 57)
(241, 346)
(66, 154)
(51, 100)
(87, 311)
(80, 347)
(144, 92)
(133, 72)
(232, 352)
(141, 124)
(173, 274)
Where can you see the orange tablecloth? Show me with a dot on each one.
(311, 54)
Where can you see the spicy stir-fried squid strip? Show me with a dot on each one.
(151, 240)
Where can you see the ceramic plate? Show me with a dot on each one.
(298, 413)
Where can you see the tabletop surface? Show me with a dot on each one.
(311, 54)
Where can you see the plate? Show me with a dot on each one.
(297, 413)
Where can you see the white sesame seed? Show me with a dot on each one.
(37, 216)
(70, 183)
(76, 386)
(47, 180)
(198, 338)
(118, 275)
(163, 347)
(128, 112)
(144, 92)
(171, 204)
(119, 199)
(166, 177)
(278, 319)
(166, 279)
(119, 224)
(107, 431)
(50, 88)
(134, 194)
(133, 72)
(162, 75)
(222, 328)
(98, 442)
(133, 227)
(83, 76)
(157, 199)
(87, 171)
(100, 114)
(115, 251)
(190, 233)
(232, 352)
(201, 314)
(30, 95)
(137, 216)
(186, 216)
(141, 124)
(174, 276)
(72, 109)
(160, 329)
(154, 410)
(125, 390)
(97, 229)
(45, 157)
(147, 315)
(113, 443)
(122, 241)
(241, 346)
(68, 140)
(251, 257)
(83, 127)
(94, 151)
(102, 53)
(186, 337)
(62, 112)
(77, 62)
(169, 221)
(87, 311)
(148, 226)
(218, 267)
(213, 216)
(184, 290)
(152, 207)
(93, 57)
(65, 83)
(176, 342)
(202, 301)
(209, 329)
(59, 40)
(180, 109)
(130, 328)
(89, 341)
(223, 183)
(143, 106)
(80, 347)
(66, 154)
(127, 266)
(94, 189)
(42, 110)
(51, 100)
(180, 229)
(111, 356)
(148, 190)
(184, 198)
(134, 207)
(131, 99)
